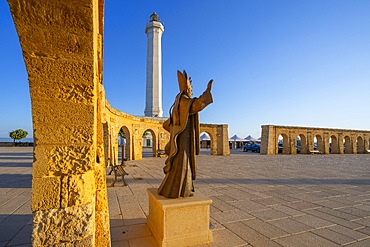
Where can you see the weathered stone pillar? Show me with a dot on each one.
(340, 143)
(269, 143)
(61, 43)
(353, 143)
(310, 141)
(223, 147)
(293, 142)
(138, 145)
(325, 140)
(366, 144)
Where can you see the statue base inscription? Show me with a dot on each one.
(179, 222)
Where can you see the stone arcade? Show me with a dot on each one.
(75, 129)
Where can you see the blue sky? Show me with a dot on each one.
(298, 63)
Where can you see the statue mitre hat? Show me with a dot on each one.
(184, 81)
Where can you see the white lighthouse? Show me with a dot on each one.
(153, 102)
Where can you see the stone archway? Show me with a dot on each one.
(149, 142)
(125, 152)
(303, 148)
(64, 73)
(284, 144)
(206, 145)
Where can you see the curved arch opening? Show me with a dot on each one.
(283, 144)
(318, 143)
(205, 143)
(149, 144)
(124, 145)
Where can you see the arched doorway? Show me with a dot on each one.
(283, 144)
(124, 144)
(301, 144)
(360, 145)
(205, 143)
(149, 144)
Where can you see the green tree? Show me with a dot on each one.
(18, 135)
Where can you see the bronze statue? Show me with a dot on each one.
(183, 126)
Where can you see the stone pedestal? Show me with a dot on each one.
(179, 222)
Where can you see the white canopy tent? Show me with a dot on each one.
(235, 140)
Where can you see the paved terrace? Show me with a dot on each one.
(283, 200)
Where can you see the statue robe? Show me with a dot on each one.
(183, 125)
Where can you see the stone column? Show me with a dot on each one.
(223, 147)
(340, 143)
(153, 105)
(64, 73)
(268, 143)
(325, 140)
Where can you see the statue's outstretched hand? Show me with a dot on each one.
(209, 86)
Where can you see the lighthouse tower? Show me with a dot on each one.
(153, 102)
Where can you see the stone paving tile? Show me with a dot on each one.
(23, 237)
(287, 210)
(226, 238)
(363, 243)
(349, 232)
(305, 239)
(363, 221)
(335, 219)
(232, 216)
(334, 236)
(364, 230)
(332, 204)
(249, 206)
(221, 205)
(313, 221)
(129, 232)
(270, 201)
(265, 228)
(250, 235)
(148, 241)
(359, 213)
(123, 243)
(291, 226)
(338, 213)
(303, 205)
(270, 214)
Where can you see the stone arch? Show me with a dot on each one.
(149, 143)
(283, 144)
(303, 147)
(347, 145)
(360, 145)
(126, 145)
(67, 117)
(207, 144)
(333, 145)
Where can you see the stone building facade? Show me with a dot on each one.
(292, 139)
(75, 129)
